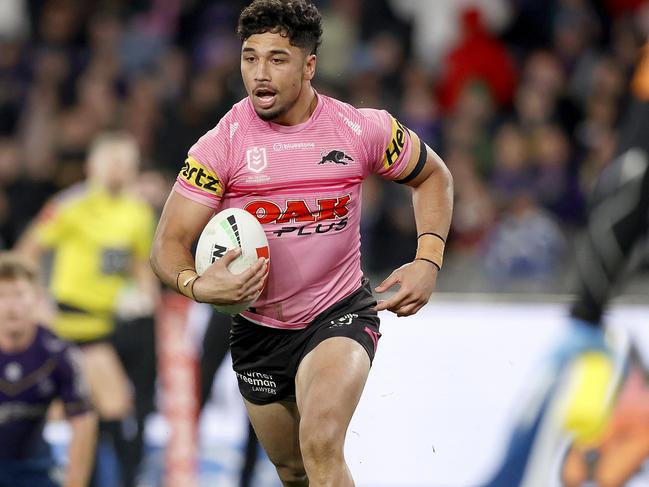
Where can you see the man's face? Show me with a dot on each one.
(273, 73)
(19, 300)
(114, 167)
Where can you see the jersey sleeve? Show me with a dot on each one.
(388, 143)
(205, 171)
(50, 224)
(73, 390)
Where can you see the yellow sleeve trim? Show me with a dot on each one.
(199, 176)
(396, 145)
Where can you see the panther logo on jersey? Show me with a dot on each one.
(335, 156)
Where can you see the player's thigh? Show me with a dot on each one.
(329, 384)
(109, 385)
(277, 426)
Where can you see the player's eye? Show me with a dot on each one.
(277, 60)
(249, 59)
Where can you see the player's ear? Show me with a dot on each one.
(309, 67)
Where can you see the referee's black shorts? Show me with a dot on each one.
(266, 359)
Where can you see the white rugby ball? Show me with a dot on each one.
(229, 229)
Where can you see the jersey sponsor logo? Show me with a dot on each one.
(298, 211)
(258, 381)
(355, 126)
(343, 321)
(279, 147)
(197, 175)
(256, 159)
(335, 156)
(233, 129)
(330, 215)
(396, 145)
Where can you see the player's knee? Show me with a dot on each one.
(321, 438)
(292, 473)
(114, 407)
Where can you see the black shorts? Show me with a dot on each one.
(266, 359)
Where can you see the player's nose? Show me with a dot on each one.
(262, 73)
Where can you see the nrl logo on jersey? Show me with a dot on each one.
(256, 159)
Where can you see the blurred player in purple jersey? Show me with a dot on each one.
(295, 159)
(36, 368)
(575, 393)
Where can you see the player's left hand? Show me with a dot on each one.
(417, 282)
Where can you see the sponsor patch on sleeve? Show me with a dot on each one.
(197, 175)
(396, 145)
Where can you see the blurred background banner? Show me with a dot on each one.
(178, 380)
(521, 98)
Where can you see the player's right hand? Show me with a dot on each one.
(217, 285)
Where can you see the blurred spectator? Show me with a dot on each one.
(14, 22)
(341, 29)
(525, 249)
(470, 126)
(555, 178)
(419, 110)
(474, 211)
(436, 24)
(574, 31)
(477, 56)
(38, 369)
(512, 170)
(185, 121)
(101, 235)
(21, 196)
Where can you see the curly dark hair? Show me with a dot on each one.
(299, 20)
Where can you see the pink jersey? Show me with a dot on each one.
(303, 183)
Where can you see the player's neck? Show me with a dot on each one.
(302, 110)
(17, 343)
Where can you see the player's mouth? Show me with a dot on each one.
(265, 97)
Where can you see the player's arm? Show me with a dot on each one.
(180, 225)
(82, 418)
(432, 196)
(43, 232)
(145, 280)
(81, 450)
(28, 246)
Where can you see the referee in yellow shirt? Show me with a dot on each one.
(100, 234)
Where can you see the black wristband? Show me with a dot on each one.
(431, 261)
(433, 234)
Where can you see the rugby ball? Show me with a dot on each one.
(229, 229)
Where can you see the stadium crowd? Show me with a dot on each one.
(521, 99)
